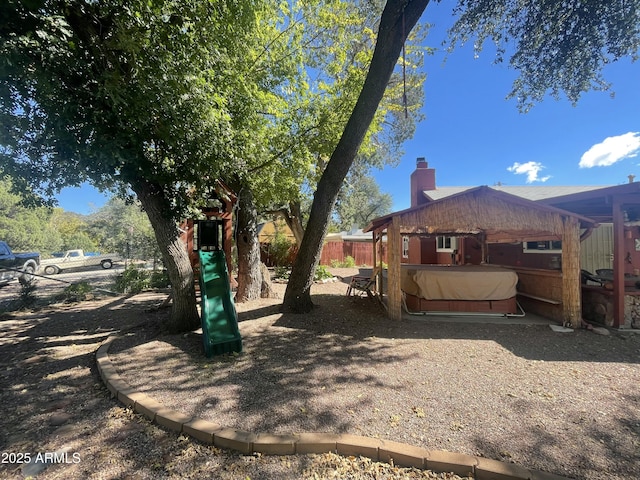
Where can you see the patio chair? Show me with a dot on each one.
(360, 284)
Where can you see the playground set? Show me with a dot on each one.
(209, 242)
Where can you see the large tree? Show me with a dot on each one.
(325, 47)
(154, 98)
(398, 18)
(555, 46)
(339, 59)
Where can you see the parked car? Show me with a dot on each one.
(19, 266)
(77, 258)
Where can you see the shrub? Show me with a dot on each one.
(78, 292)
(280, 250)
(282, 273)
(159, 279)
(349, 262)
(27, 293)
(132, 280)
(322, 273)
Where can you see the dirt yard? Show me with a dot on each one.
(563, 403)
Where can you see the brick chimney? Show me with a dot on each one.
(423, 178)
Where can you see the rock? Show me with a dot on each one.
(560, 329)
(59, 418)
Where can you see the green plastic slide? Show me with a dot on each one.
(220, 331)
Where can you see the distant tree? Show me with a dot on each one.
(25, 228)
(73, 230)
(123, 227)
(360, 201)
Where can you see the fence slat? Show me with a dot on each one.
(361, 252)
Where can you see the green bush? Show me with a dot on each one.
(348, 262)
(27, 294)
(322, 273)
(159, 279)
(132, 280)
(282, 273)
(78, 292)
(280, 250)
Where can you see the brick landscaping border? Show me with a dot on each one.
(401, 454)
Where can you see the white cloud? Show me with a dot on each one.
(611, 150)
(530, 169)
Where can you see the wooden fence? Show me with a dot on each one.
(333, 252)
(361, 252)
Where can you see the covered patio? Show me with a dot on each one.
(491, 217)
(620, 206)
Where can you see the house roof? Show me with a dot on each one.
(482, 209)
(592, 201)
(530, 192)
(354, 235)
(599, 204)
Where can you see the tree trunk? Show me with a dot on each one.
(293, 218)
(249, 274)
(398, 18)
(266, 290)
(294, 221)
(184, 314)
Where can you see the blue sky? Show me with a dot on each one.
(473, 136)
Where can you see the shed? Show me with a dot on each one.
(490, 216)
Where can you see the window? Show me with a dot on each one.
(545, 246)
(405, 247)
(446, 244)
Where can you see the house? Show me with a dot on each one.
(277, 242)
(537, 232)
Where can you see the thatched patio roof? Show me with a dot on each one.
(500, 216)
(495, 216)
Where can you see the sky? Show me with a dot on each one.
(472, 135)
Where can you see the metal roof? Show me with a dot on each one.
(529, 192)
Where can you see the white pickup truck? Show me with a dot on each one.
(76, 259)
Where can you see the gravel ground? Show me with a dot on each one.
(563, 403)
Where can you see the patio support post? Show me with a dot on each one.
(571, 287)
(618, 263)
(394, 289)
(378, 234)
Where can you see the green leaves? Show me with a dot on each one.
(557, 47)
(125, 90)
